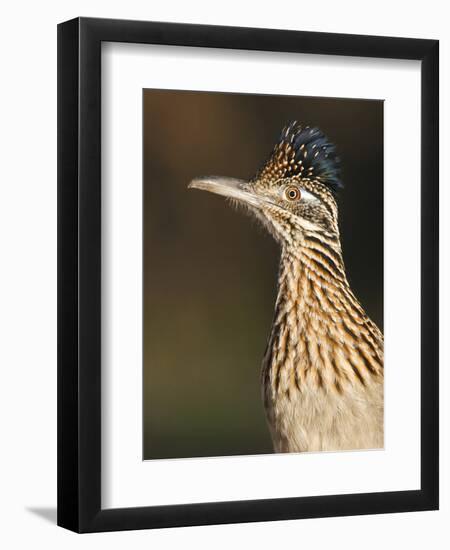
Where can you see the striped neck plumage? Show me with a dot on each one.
(316, 257)
(320, 332)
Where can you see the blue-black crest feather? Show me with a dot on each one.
(305, 152)
(317, 154)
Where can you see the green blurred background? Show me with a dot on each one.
(209, 271)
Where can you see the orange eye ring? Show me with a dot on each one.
(292, 193)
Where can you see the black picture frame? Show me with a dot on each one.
(79, 274)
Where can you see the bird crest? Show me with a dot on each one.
(304, 152)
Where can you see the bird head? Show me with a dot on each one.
(294, 193)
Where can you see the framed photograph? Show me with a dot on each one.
(248, 275)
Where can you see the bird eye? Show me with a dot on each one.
(292, 193)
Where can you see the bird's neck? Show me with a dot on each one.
(312, 273)
(320, 333)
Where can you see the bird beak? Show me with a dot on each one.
(227, 187)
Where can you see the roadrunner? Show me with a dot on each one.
(322, 373)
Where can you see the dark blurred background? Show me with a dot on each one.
(209, 271)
